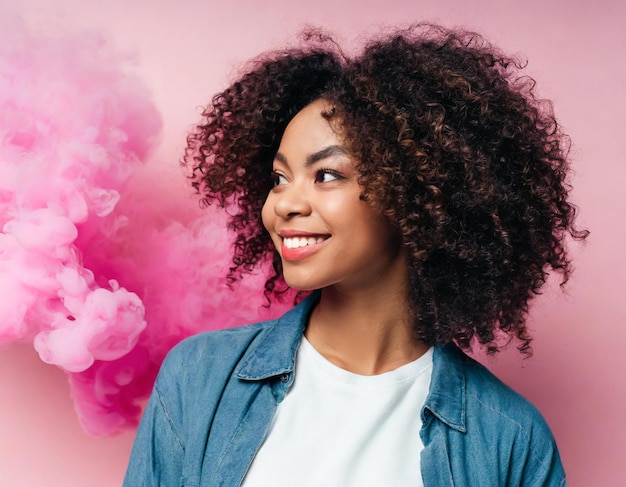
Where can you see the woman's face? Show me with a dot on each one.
(325, 235)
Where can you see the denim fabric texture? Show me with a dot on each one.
(216, 394)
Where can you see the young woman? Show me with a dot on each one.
(418, 192)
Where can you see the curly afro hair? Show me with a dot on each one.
(452, 146)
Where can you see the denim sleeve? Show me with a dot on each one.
(158, 451)
(545, 472)
(539, 462)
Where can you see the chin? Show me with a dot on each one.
(298, 286)
(301, 283)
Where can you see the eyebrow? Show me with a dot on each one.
(330, 151)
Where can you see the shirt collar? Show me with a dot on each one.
(447, 395)
(274, 352)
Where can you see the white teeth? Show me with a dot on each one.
(297, 242)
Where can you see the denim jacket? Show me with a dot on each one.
(216, 394)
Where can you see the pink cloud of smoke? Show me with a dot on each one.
(90, 274)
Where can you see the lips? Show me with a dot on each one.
(297, 245)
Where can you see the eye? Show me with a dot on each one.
(327, 175)
(278, 178)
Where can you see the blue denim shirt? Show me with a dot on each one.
(216, 394)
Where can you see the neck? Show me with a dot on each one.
(367, 332)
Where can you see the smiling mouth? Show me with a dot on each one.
(298, 242)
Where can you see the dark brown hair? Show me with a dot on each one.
(452, 146)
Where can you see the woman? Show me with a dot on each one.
(418, 191)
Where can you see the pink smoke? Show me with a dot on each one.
(90, 271)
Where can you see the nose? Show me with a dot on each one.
(291, 201)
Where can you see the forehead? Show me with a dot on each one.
(310, 130)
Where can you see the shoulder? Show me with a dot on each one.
(197, 369)
(267, 345)
(214, 346)
(499, 422)
(495, 400)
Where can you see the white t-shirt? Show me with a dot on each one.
(339, 429)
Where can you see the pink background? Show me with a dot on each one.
(187, 50)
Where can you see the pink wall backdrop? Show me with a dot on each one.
(186, 50)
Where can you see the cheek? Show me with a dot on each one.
(379, 230)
